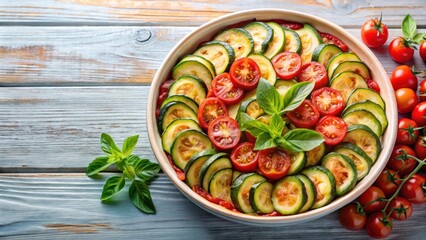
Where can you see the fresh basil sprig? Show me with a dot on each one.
(409, 29)
(139, 171)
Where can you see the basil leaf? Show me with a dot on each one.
(98, 165)
(129, 172)
(277, 125)
(252, 126)
(296, 94)
(145, 169)
(264, 141)
(302, 139)
(409, 26)
(140, 196)
(129, 144)
(268, 97)
(284, 144)
(418, 38)
(108, 144)
(112, 186)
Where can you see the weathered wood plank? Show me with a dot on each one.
(182, 13)
(100, 55)
(49, 206)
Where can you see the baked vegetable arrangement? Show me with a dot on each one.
(271, 118)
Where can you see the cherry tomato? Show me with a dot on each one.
(419, 114)
(374, 33)
(422, 90)
(422, 51)
(245, 73)
(370, 199)
(401, 209)
(403, 167)
(243, 157)
(378, 226)
(406, 100)
(373, 85)
(403, 77)
(223, 88)
(328, 101)
(287, 65)
(406, 131)
(333, 129)
(304, 116)
(314, 72)
(224, 133)
(210, 108)
(273, 163)
(351, 218)
(388, 181)
(415, 189)
(420, 147)
(400, 51)
(331, 39)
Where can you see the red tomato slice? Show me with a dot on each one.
(224, 133)
(333, 129)
(288, 24)
(329, 38)
(287, 65)
(273, 163)
(164, 89)
(210, 109)
(224, 89)
(243, 157)
(304, 116)
(328, 101)
(314, 72)
(245, 73)
(373, 85)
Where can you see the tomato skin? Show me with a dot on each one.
(351, 219)
(243, 157)
(403, 77)
(304, 116)
(328, 101)
(288, 24)
(403, 167)
(420, 147)
(333, 129)
(369, 199)
(224, 132)
(331, 39)
(287, 65)
(373, 85)
(399, 52)
(384, 182)
(224, 89)
(377, 226)
(163, 93)
(414, 189)
(401, 208)
(418, 114)
(314, 72)
(406, 134)
(210, 109)
(245, 73)
(422, 90)
(273, 163)
(406, 100)
(374, 33)
(422, 51)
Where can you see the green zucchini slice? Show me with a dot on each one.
(339, 58)
(298, 162)
(282, 86)
(240, 191)
(362, 161)
(181, 98)
(324, 182)
(215, 163)
(343, 170)
(239, 39)
(289, 195)
(363, 94)
(220, 184)
(354, 66)
(193, 68)
(202, 60)
(363, 116)
(372, 107)
(260, 197)
(346, 82)
(174, 128)
(193, 167)
(278, 41)
(310, 39)
(219, 53)
(311, 192)
(172, 111)
(314, 155)
(293, 43)
(262, 35)
(324, 52)
(266, 69)
(189, 86)
(364, 138)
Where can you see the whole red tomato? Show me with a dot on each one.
(405, 166)
(371, 199)
(422, 90)
(422, 51)
(420, 147)
(414, 189)
(403, 77)
(406, 100)
(400, 51)
(378, 226)
(374, 33)
(419, 114)
(401, 209)
(352, 217)
(388, 181)
(407, 131)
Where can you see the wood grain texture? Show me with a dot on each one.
(41, 56)
(40, 206)
(192, 12)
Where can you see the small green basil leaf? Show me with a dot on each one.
(252, 126)
(98, 165)
(277, 125)
(129, 172)
(140, 196)
(264, 141)
(303, 139)
(268, 97)
(114, 158)
(108, 144)
(409, 26)
(284, 144)
(145, 169)
(112, 186)
(129, 144)
(418, 38)
(296, 94)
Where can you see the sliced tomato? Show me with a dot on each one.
(333, 129)
(287, 65)
(328, 101)
(243, 157)
(164, 89)
(224, 89)
(304, 116)
(329, 38)
(245, 73)
(373, 85)
(274, 163)
(288, 24)
(210, 109)
(314, 72)
(200, 191)
(224, 133)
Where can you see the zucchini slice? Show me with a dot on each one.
(339, 58)
(346, 82)
(233, 110)
(364, 138)
(311, 192)
(310, 40)
(324, 52)
(298, 162)
(282, 86)
(260, 197)
(189, 86)
(186, 144)
(372, 107)
(363, 116)
(235, 174)
(262, 35)
(267, 71)
(220, 184)
(181, 98)
(240, 191)
(202, 60)
(343, 170)
(354, 66)
(278, 40)
(239, 39)
(293, 43)
(252, 108)
(314, 155)
(172, 111)
(193, 68)
(215, 163)
(193, 167)
(174, 128)
(219, 53)
(324, 182)
(362, 161)
(363, 94)
(289, 195)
